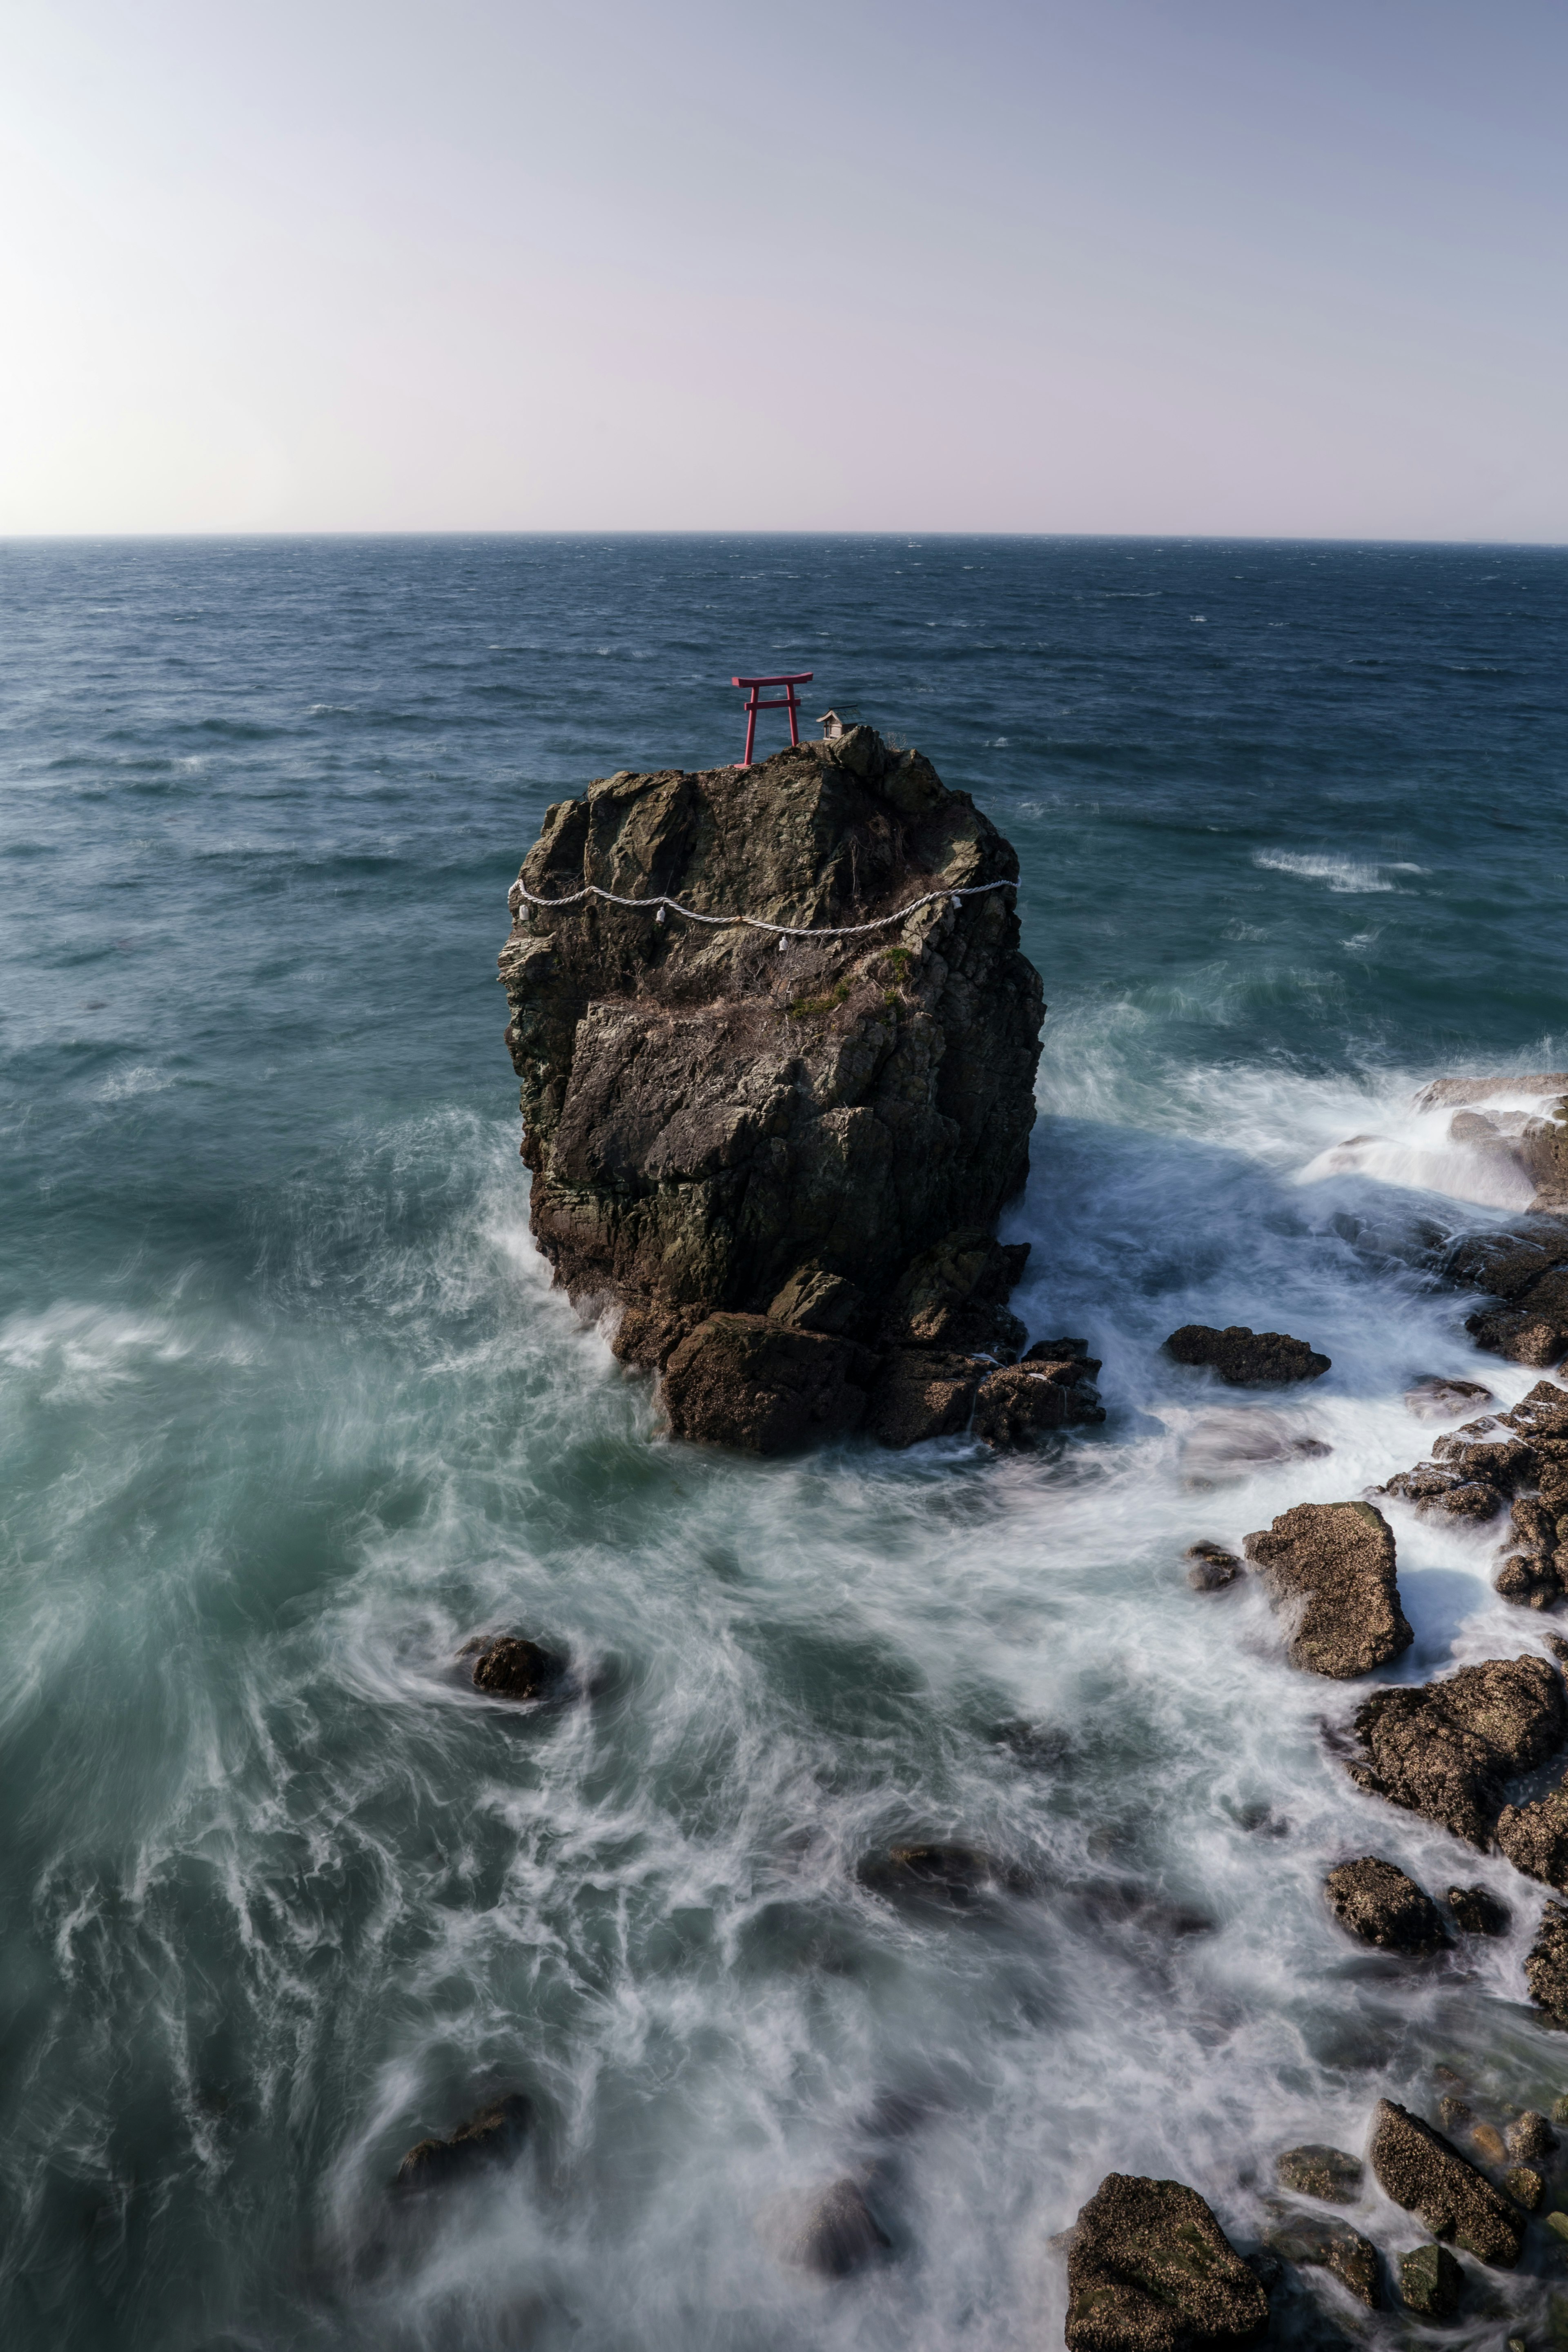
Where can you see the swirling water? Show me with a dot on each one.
(288, 1413)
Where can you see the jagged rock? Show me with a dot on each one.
(1430, 2282)
(1506, 1263)
(1535, 1838)
(1506, 1463)
(1317, 2170)
(1435, 1397)
(832, 2232)
(918, 1395)
(1543, 1414)
(1528, 1581)
(1024, 1402)
(1212, 1567)
(1478, 1912)
(1520, 1335)
(1546, 1967)
(1530, 2136)
(1431, 1487)
(1337, 1561)
(1378, 1903)
(1445, 1749)
(512, 1668)
(1417, 2168)
(1322, 2245)
(1525, 2186)
(952, 1875)
(1150, 2269)
(748, 1381)
(821, 1137)
(492, 2137)
(1243, 1359)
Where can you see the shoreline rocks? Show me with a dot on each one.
(1420, 2171)
(509, 1666)
(1376, 1901)
(1317, 2170)
(1246, 1358)
(1150, 2270)
(1445, 1749)
(1335, 1563)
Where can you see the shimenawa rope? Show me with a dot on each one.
(520, 890)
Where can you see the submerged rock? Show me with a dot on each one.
(1478, 1912)
(1243, 1359)
(492, 2137)
(1025, 1402)
(1420, 2171)
(1378, 1903)
(1546, 1967)
(1445, 1749)
(832, 2232)
(512, 1667)
(953, 1874)
(1311, 2239)
(1430, 2282)
(1336, 1563)
(1223, 1447)
(1210, 1567)
(817, 1136)
(1150, 2270)
(1317, 2170)
(1435, 1397)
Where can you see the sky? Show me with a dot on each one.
(1174, 267)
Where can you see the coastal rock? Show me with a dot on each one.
(1210, 1567)
(512, 1667)
(1430, 2282)
(1435, 1397)
(817, 1133)
(1543, 1413)
(492, 2137)
(1525, 2186)
(1535, 1838)
(1336, 1563)
(1530, 2136)
(1546, 1967)
(919, 1394)
(1312, 2239)
(1317, 2170)
(1150, 2270)
(831, 2232)
(1478, 1912)
(1024, 1402)
(1506, 1463)
(1420, 2171)
(1507, 1263)
(1528, 1582)
(1519, 1334)
(1245, 1358)
(1445, 1749)
(1431, 1487)
(1378, 1903)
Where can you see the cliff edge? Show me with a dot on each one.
(779, 1158)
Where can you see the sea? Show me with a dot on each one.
(289, 1413)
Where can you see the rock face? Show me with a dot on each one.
(1418, 2169)
(1248, 1360)
(1322, 2245)
(1478, 1912)
(1336, 1561)
(493, 2136)
(1210, 1567)
(1535, 1838)
(814, 1136)
(1150, 2269)
(510, 1667)
(1537, 1146)
(1546, 1968)
(1516, 1462)
(1445, 1749)
(1316, 2170)
(1024, 1402)
(1430, 2282)
(1378, 1903)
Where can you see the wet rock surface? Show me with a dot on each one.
(1535, 1838)
(1478, 1912)
(1430, 2282)
(1334, 1562)
(1530, 2136)
(830, 2232)
(1435, 1397)
(1546, 1967)
(1210, 1567)
(512, 1667)
(1150, 2270)
(1422, 2171)
(1246, 1358)
(1315, 2241)
(1376, 1901)
(493, 2136)
(1446, 1748)
(818, 1138)
(1027, 1401)
(1318, 2170)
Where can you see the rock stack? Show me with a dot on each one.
(774, 1149)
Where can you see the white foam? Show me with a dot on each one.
(1342, 875)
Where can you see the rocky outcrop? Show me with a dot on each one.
(1150, 2270)
(1380, 1905)
(1525, 1270)
(1478, 1912)
(1317, 2243)
(807, 1132)
(1530, 2136)
(1533, 1144)
(1430, 2282)
(1446, 1748)
(1546, 1967)
(1210, 1567)
(1248, 1360)
(1420, 2171)
(1316, 2170)
(1535, 1838)
(1516, 1462)
(492, 2137)
(1024, 1402)
(512, 1668)
(1334, 1562)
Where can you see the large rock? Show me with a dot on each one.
(1248, 1360)
(820, 1133)
(1546, 1968)
(1446, 1748)
(751, 1381)
(1378, 1903)
(1027, 1401)
(1535, 1838)
(1335, 1561)
(1150, 2270)
(511, 1666)
(1430, 2282)
(1319, 2171)
(1420, 2171)
(1315, 2241)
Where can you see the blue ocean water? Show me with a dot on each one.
(287, 1413)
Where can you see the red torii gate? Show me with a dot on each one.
(786, 701)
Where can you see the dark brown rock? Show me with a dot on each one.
(1024, 1402)
(1313, 2240)
(1521, 1336)
(1530, 2136)
(1243, 1359)
(1543, 1414)
(1378, 1903)
(1432, 1486)
(1418, 2169)
(1506, 1263)
(832, 2232)
(1446, 1748)
(1506, 1463)
(1478, 1912)
(492, 2137)
(751, 1381)
(917, 1394)
(1336, 1561)
(1150, 2269)
(1529, 1580)
(1211, 1568)
(1535, 1838)
(1525, 2186)
(1317, 2170)
(1430, 2282)
(718, 1127)
(1435, 1397)
(1546, 1968)
(512, 1668)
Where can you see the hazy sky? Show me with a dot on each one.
(1166, 266)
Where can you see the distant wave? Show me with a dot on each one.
(1340, 874)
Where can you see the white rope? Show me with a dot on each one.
(755, 922)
